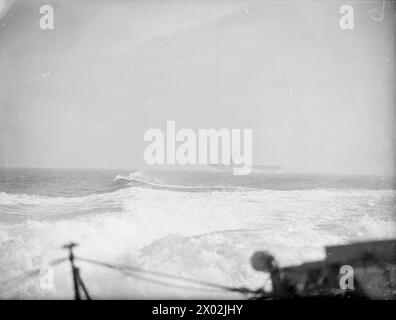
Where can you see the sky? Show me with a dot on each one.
(318, 98)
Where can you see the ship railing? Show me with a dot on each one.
(156, 277)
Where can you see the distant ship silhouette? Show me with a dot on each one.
(221, 167)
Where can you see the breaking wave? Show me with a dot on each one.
(139, 179)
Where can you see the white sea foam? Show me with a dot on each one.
(204, 235)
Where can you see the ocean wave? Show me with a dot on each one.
(140, 179)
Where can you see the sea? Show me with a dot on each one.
(203, 225)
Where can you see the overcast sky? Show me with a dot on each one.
(318, 98)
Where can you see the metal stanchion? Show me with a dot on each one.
(77, 281)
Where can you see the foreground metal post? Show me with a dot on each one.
(77, 281)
